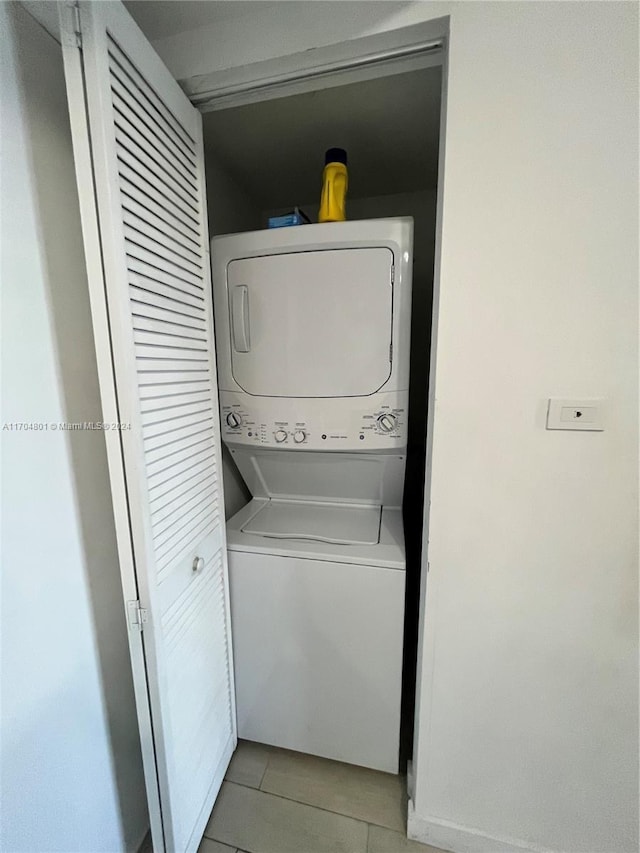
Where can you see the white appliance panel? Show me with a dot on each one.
(318, 656)
(354, 424)
(313, 334)
(312, 324)
(388, 553)
(344, 272)
(340, 525)
(343, 478)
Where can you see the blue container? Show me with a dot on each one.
(296, 217)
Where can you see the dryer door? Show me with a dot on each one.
(312, 324)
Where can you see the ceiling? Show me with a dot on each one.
(389, 126)
(160, 18)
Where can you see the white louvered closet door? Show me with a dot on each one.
(139, 162)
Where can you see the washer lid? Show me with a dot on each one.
(340, 525)
(364, 479)
(312, 324)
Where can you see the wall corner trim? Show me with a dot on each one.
(462, 839)
(407, 48)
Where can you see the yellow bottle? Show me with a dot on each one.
(335, 180)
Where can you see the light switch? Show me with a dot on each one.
(576, 414)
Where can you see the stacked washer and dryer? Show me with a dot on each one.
(312, 328)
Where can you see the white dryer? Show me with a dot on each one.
(312, 330)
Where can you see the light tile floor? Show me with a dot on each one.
(276, 801)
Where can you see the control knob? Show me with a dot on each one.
(234, 420)
(387, 422)
(280, 435)
(299, 436)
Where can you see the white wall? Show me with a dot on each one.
(277, 29)
(71, 766)
(528, 717)
(231, 208)
(529, 709)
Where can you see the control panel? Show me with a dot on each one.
(361, 423)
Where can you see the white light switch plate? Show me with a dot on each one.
(576, 414)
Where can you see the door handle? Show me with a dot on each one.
(240, 318)
(198, 564)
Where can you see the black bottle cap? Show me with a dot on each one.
(335, 155)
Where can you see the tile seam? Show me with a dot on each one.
(311, 806)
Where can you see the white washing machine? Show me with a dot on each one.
(312, 330)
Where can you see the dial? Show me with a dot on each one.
(280, 435)
(299, 436)
(387, 422)
(234, 420)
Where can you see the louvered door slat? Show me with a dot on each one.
(170, 356)
(179, 442)
(159, 344)
(157, 410)
(156, 406)
(151, 301)
(150, 293)
(148, 306)
(175, 478)
(128, 104)
(162, 333)
(162, 499)
(171, 433)
(150, 319)
(154, 262)
(130, 137)
(169, 127)
(137, 185)
(165, 409)
(156, 393)
(175, 534)
(168, 484)
(164, 516)
(152, 366)
(178, 625)
(173, 623)
(180, 544)
(163, 506)
(170, 428)
(160, 255)
(147, 137)
(138, 158)
(148, 303)
(179, 501)
(182, 516)
(149, 380)
(149, 275)
(183, 452)
(201, 711)
(136, 216)
(150, 210)
(143, 167)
